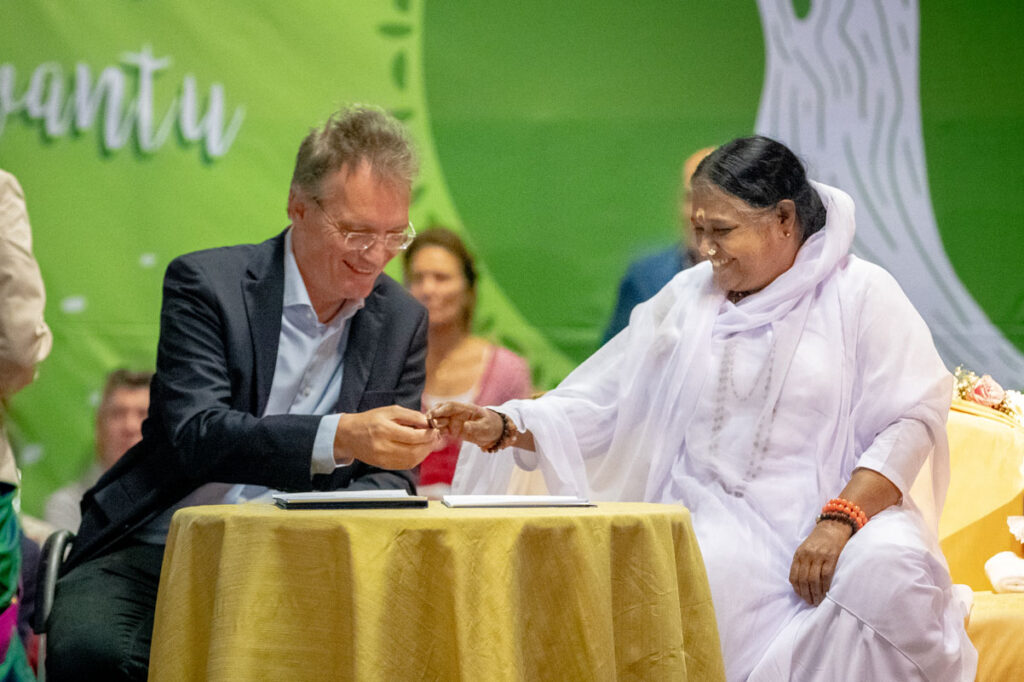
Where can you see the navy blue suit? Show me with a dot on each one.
(219, 329)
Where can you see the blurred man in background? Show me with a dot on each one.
(646, 276)
(122, 408)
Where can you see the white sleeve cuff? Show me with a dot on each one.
(322, 461)
(525, 459)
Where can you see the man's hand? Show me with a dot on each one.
(478, 425)
(814, 563)
(391, 437)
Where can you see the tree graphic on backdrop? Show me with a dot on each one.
(841, 88)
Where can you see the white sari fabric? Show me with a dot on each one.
(753, 415)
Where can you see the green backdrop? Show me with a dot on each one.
(551, 134)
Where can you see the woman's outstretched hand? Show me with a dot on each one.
(478, 425)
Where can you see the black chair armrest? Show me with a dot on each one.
(54, 550)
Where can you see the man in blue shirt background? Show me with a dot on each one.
(647, 275)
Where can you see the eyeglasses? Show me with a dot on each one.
(363, 241)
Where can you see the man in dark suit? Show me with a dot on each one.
(294, 364)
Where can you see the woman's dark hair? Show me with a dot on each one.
(453, 244)
(763, 172)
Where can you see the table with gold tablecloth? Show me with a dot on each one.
(996, 628)
(616, 591)
(986, 451)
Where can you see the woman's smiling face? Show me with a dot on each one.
(435, 277)
(748, 247)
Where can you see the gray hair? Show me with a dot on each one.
(350, 136)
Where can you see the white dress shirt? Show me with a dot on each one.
(307, 380)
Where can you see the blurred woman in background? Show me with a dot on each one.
(440, 273)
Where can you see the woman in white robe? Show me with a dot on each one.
(754, 387)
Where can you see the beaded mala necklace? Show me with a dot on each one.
(726, 392)
(737, 296)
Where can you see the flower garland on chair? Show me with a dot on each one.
(985, 391)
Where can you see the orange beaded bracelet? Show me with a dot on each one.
(838, 505)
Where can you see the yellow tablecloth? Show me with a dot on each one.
(986, 485)
(252, 592)
(996, 628)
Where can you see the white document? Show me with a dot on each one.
(330, 495)
(515, 501)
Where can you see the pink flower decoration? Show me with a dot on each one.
(987, 392)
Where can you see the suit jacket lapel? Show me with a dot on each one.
(264, 301)
(363, 339)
